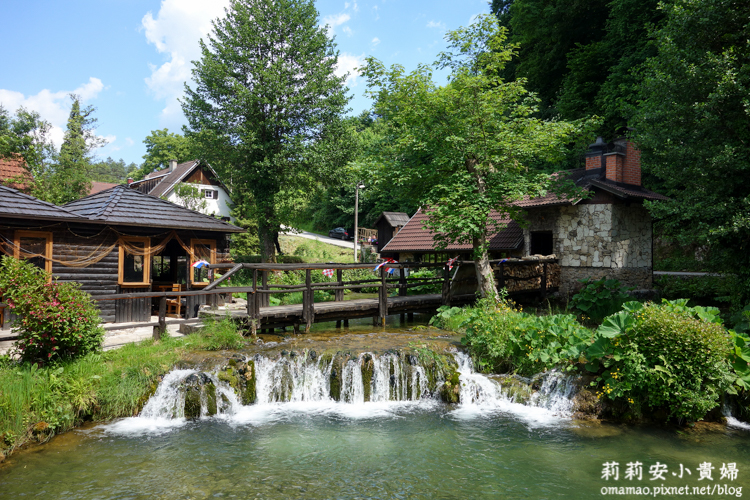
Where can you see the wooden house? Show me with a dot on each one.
(162, 184)
(388, 225)
(115, 241)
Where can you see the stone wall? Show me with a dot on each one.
(596, 240)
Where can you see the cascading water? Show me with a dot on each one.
(361, 383)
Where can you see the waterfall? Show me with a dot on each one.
(481, 395)
(360, 385)
(732, 421)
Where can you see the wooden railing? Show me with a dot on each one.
(260, 290)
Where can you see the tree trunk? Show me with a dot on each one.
(267, 246)
(485, 277)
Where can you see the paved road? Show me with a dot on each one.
(324, 239)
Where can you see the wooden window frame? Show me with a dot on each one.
(47, 235)
(211, 259)
(146, 262)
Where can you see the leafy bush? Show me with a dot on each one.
(716, 289)
(54, 321)
(503, 339)
(427, 287)
(667, 355)
(600, 298)
(222, 334)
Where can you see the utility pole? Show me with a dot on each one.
(357, 187)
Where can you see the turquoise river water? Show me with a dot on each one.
(312, 447)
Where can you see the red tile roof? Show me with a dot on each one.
(98, 187)
(414, 237)
(13, 170)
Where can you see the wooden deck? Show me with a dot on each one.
(293, 315)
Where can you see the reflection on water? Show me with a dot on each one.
(315, 447)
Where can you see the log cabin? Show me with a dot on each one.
(115, 241)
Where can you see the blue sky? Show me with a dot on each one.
(129, 58)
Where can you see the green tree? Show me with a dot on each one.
(25, 135)
(693, 127)
(464, 149)
(66, 176)
(162, 146)
(110, 170)
(189, 196)
(265, 108)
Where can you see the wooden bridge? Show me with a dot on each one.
(456, 289)
(457, 285)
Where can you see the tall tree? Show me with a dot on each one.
(162, 146)
(464, 149)
(693, 127)
(265, 107)
(67, 179)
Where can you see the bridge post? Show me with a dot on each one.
(383, 302)
(265, 299)
(252, 306)
(308, 302)
(446, 287)
(338, 295)
(161, 330)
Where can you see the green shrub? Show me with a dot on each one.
(666, 356)
(600, 298)
(54, 321)
(503, 339)
(427, 287)
(222, 334)
(716, 289)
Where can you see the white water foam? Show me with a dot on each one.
(738, 424)
(483, 397)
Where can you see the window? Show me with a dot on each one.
(34, 246)
(541, 243)
(135, 262)
(210, 194)
(202, 250)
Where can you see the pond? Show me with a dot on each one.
(308, 445)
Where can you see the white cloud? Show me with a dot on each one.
(53, 107)
(436, 24)
(375, 41)
(347, 64)
(175, 32)
(129, 141)
(354, 6)
(335, 20)
(347, 30)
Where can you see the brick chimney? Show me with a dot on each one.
(130, 180)
(172, 165)
(595, 154)
(624, 163)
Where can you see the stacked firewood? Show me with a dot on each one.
(528, 276)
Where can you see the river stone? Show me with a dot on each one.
(368, 368)
(451, 390)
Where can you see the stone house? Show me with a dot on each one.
(608, 234)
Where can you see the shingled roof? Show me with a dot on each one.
(168, 180)
(414, 237)
(395, 219)
(129, 207)
(12, 170)
(17, 205)
(588, 180)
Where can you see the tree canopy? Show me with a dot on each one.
(162, 146)
(465, 148)
(265, 108)
(693, 127)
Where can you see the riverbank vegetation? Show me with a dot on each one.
(655, 360)
(38, 401)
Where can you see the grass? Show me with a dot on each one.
(37, 403)
(314, 250)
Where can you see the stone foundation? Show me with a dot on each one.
(639, 277)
